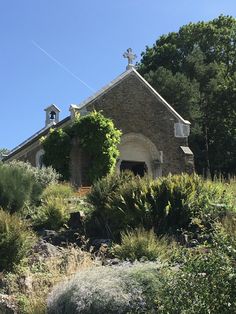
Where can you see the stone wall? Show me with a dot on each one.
(134, 108)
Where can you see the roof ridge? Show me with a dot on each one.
(118, 79)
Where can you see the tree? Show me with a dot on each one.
(195, 70)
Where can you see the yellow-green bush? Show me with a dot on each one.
(16, 239)
(54, 211)
(53, 214)
(58, 190)
(142, 244)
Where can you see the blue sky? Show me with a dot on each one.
(88, 38)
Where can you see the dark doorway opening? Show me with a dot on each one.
(139, 168)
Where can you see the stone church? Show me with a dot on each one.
(154, 136)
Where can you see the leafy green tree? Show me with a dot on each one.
(194, 69)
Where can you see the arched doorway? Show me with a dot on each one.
(139, 168)
(140, 155)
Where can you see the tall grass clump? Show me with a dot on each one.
(107, 290)
(142, 244)
(16, 240)
(54, 211)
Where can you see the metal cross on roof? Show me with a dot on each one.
(130, 56)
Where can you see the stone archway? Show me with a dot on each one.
(135, 147)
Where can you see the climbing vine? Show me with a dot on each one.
(57, 146)
(98, 138)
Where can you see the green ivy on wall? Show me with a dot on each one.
(98, 138)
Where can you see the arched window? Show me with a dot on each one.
(39, 159)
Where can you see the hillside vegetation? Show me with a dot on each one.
(170, 244)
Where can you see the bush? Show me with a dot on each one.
(16, 239)
(205, 284)
(15, 188)
(104, 188)
(63, 191)
(20, 183)
(123, 289)
(101, 196)
(188, 203)
(55, 209)
(171, 204)
(53, 214)
(44, 176)
(139, 244)
(224, 236)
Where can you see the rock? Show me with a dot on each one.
(8, 304)
(112, 261)
(75, 221)
(97, 243)
(46, 249)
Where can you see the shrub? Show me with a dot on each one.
(104, 188)
(53, 214)
(188, 203)
(107, 290)
(205, 284)
(63, 191)
(171, 204)
(101, 197)
(44, 176)
(139, 244)
(21, 183)
(224, 236)
(16, 239)
(55, 209)
(15, 188)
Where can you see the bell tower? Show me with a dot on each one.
(52, 115)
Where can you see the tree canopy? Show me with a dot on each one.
(194, 69)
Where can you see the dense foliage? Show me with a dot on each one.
(107, 290)
(205, 283)
(16, 239)
(57, 146)
(140, 244)
(171, 205)
(54, 210)
(200, 283)
(193, 270)
(97, 137)
(194, 70)
(20, 183)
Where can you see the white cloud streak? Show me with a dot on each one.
(61, 65)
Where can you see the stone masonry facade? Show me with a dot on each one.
(134, 109)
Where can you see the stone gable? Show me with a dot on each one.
(153, 133)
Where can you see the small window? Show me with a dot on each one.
(181, 130)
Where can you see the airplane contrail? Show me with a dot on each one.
(61, 65)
